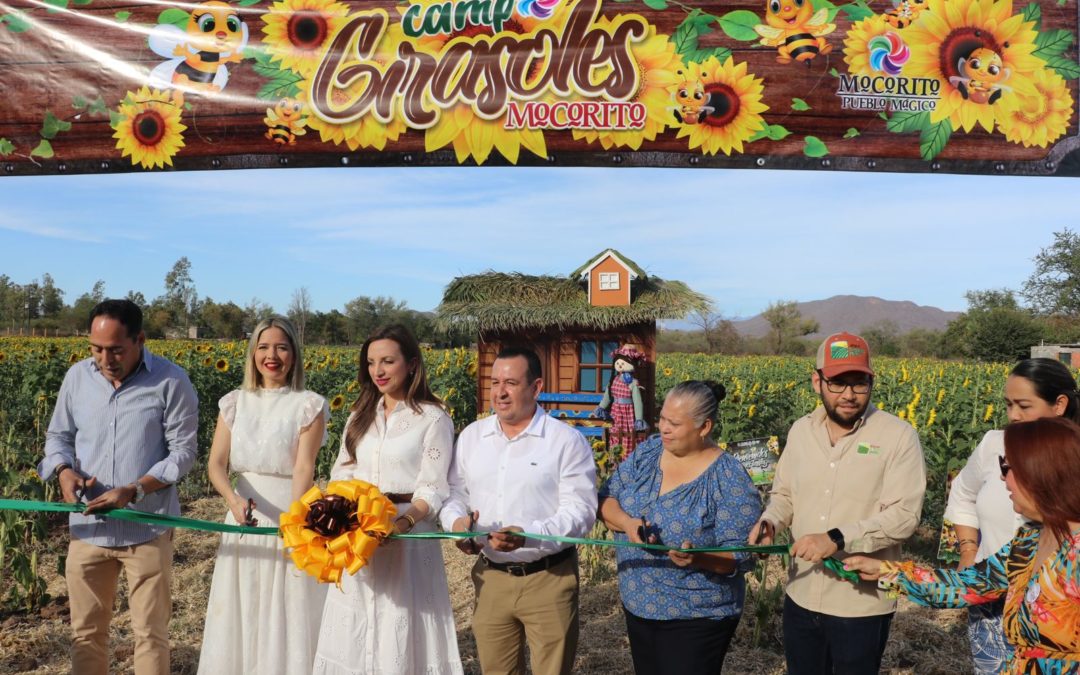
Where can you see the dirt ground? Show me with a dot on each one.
(922, 641)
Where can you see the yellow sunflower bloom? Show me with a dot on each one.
(368, 131)
(735, 96)
(656, 63)
(337, 402)
(1042, 118)
(222, 365)
(298, 30)
(948, 32)
(868, 49)
(149, 129)
(459, 126)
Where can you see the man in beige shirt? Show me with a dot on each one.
(850, 480)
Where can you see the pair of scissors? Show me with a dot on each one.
(474, 546)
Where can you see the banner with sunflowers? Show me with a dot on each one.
(978, 86)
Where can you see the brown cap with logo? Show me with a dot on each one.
(843, 353)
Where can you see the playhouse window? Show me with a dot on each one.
(594, 364)
(609, 281)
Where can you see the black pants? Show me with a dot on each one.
(680, 646)
(822, 644)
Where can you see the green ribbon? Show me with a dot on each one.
(164, 520)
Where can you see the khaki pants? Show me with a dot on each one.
(92, 574)
(541, 608)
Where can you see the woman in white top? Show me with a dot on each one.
(394, 615)
(979, 506)
(263, 614)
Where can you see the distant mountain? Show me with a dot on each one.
(854, 312)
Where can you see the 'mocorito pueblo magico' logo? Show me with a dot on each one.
(484, 71)
(889, 89)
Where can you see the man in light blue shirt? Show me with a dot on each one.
(122, 434)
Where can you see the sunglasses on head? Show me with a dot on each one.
(1004, 465)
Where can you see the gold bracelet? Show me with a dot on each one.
(412, 521)
(968, 541)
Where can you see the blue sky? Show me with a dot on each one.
(745, 238)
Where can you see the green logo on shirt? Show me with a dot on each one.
(867, 449)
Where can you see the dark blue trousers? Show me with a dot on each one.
(822, 644)
(680, 646)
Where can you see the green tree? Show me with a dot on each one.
(1054, 286)
(181, 299)
(52, 298)
(994, 328)
(883, 337)
(786, 325)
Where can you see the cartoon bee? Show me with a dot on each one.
(981, 76)
(285, 121)
(794, 32)
(214, 37)
(904, 13)
(693, 102)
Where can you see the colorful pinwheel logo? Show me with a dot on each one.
(541, 9)
(888, 53)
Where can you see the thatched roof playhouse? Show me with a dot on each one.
(574, 322)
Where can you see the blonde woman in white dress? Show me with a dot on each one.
(393, 617)
(263, 613)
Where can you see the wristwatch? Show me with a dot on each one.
(837, 538)
(140, 493)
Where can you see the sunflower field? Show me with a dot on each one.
(951, 404)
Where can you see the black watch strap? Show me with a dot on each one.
(837, 537)
(59, 470)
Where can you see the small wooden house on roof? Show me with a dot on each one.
(575, 323)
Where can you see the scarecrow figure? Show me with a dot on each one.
(622, 399)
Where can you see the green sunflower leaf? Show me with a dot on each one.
(278, 87)
(267, 69)
(851, 133)
(857, 11)
(813, 147)
(1066, 67)
(15, 22)
(761, 133)
(248, 3)
(775, 132)
(82, 3)
(834, 72)
(1033, 13)
(883, 116)
(833, 9)
(174, 16)
(1052, 42)
(43, 150)
(56, 5)
(78, 103)
(122, 16)
(97, 106)
(656, 4)
(6, 147)
(739, 25)
(907, 122)
(933, 139)
(53, 125)
(114, 118)
(799, 104)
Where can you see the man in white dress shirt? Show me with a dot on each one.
(521, 470)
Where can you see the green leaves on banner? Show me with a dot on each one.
(689, 33)
(115, 118)
(1052, 43)
(814, 147)
(15, 22)
(739, 25)
(834, 72)
(43, 150)
(56, 5)
(907, 122)
(281, 82)
(933, 139)
(651, 4)
(1066, 67)
(121, 17)
(248, 3)
(1032, 13)
(53, 125)
(97, 106)
(852, 132)
(773, 132)
(174, 16)
(799, 104)
(79, 103)
(857, 11)
(6, 147)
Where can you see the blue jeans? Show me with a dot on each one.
(822, 644)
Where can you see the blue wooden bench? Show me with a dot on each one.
(575, 417)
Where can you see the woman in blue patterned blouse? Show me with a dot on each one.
(680, 489)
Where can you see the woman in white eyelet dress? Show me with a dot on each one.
(263, 614)
(393, 617)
